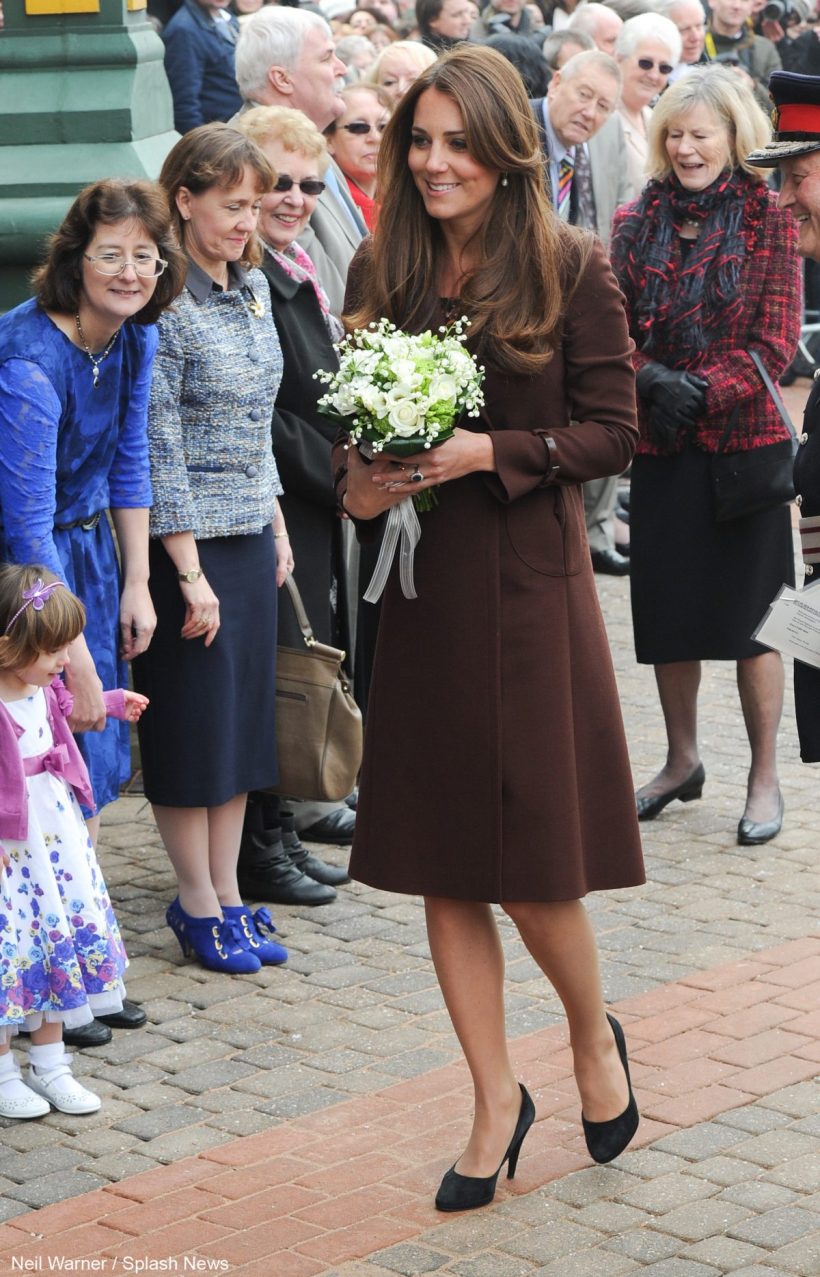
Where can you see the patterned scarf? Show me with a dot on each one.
(678, 304)
(297, 265)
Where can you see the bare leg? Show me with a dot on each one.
(93, 825)
(224, 836)
(561, 940)
(469, 963)
(678, 684)
(185, 833)
(760, 683)
(47, 1034)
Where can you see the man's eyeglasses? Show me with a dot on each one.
(145, 264)
(308, 185)
(361, 127)
(648, 64)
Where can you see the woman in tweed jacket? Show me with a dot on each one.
(219, 548)
(709, 267)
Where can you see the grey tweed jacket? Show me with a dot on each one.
(216, 375)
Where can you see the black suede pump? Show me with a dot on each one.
(466, 1192)
(607, 1140)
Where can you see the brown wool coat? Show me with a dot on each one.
(495, 765)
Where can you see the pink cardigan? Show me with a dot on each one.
(67, 759)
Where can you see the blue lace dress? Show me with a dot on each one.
(69, 450)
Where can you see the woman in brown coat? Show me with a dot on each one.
(495, 766)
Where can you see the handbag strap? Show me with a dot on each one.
(773, 395)
(299, 608)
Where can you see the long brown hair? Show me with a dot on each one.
(515, 298)
(26, 632)
(214, 155)
(58, 283)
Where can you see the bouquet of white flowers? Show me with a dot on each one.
(399, 393)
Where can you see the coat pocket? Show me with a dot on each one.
(546, 530)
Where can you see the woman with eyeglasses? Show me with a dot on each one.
(75, 373)
(354, 139)
(302, 440)
(648, 49)
(219, 548)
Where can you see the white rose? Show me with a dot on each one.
(404, 418)
(373, 400)
(442, 387)
(344, 401)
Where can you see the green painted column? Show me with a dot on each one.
(83, 95)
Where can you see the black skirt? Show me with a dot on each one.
(699, 588)
(210, 731)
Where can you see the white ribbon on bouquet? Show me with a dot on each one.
(403, 530)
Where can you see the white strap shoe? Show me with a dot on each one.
(19, 1101)
(59, 1086)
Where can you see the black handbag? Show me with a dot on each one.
(318, 723)
(756, 479)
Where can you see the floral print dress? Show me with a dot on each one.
(61, 954)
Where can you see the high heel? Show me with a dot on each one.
(465, 1192)
(607, 1140)
(252, 926)
(215, 942)
(687, 791)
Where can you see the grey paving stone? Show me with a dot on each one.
(491, 1264)
(776, 1228)
(753, 1118)
(553, 1241)
(680, 1268)
(41, 1161)
(699, 1142)
(724, 1253)
(414, 1063)
(644, 1245)
(147, 1126)
(473, 1232)
(801, 1256)
(211, 1076)
(47, 1189)
(118, 1166)
(800, 1173)
(759, 1195)
(409, 1259)
(10, 1208)
(725, 1171)
(669, 1191)
(185, 1142)
(775, 1147)
(701, 1219)
(584, 1187)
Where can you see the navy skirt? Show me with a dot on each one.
(699, 588)
(210, 731)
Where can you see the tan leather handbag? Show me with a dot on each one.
(318, 723)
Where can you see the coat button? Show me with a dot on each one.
(815, 374)
(804, 438)
(808, 570)
(255, 414)
(251, 472)
(798, 500)
(252, 355)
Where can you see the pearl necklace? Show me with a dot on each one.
(96, 360)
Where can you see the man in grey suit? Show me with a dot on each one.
(585, 153)
(286, 57)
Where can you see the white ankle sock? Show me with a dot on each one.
(47, 1055)
(11, 1083)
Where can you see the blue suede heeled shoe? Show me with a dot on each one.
(466, 1192)
(253, 927)
(217, 943)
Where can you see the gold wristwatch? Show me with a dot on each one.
(193, 574)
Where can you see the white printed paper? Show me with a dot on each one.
(792, 624)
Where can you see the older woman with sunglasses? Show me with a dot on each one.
(302, 440)
(648, 49)
(353, 140)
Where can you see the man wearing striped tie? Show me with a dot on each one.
(586, 168)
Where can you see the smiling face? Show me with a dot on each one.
(220, 221)
(581, 103)
(800, 192)
(111, 299)
(42, 670)
(643, 83)
(699, 148)
(357, 153)
(454, 186)
(285, 214)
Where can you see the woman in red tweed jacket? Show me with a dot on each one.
(709, 268)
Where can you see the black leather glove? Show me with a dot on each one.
(676, 397)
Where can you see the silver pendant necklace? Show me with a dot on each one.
(96, 360)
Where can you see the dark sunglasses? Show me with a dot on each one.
(646, 64)
(309, 186)
(361, 127)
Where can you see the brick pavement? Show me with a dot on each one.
(296, 1121)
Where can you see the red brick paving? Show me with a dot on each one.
(339, 1185)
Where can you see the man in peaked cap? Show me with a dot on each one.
(796, 149)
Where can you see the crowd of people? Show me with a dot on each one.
(587, 184)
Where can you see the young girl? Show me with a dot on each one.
(61, 955)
